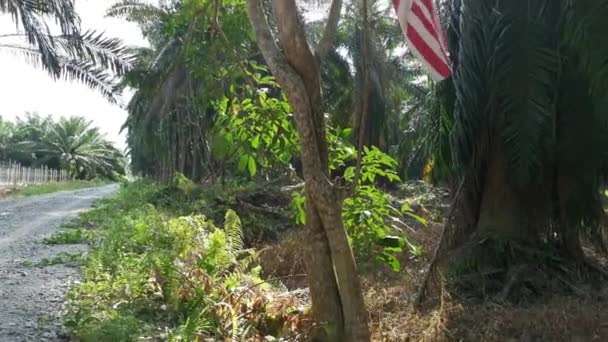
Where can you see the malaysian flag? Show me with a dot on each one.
(424, 35)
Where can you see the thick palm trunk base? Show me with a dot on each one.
(501, 242)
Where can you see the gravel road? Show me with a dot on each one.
(31, 297)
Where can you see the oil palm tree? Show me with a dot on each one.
(162, 121)
(6, 134)
(74, 145)
(529, 131)
(197, 50)
(87, 57)
(394, 92)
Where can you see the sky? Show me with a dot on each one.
(24, 88)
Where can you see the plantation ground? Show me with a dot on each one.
(33, 280)
(32, 286)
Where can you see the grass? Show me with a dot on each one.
(67, 259)
(70, 237)
(34, 190)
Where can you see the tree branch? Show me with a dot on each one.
(274, 57)
(300, 56)
(294, 43)
(296, 77)
(331, 30)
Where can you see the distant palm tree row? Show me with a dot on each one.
(71, 144)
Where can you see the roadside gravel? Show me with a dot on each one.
(31, 297)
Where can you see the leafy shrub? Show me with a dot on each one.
(370, 217)
(254, 129)
(157, 276)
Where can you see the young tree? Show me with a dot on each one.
(333, 276)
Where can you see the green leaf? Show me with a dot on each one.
(252, 166)
(221, 145)
(346, 133)
(417, 218)
(349, 173)
(255, 143)
(243, 161)
(393, 177)
(392, 261)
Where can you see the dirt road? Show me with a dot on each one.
(31, 296)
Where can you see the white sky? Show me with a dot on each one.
(24, 88)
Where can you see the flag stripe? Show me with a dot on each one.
(428, 11)
(425, 21)
(428, 4)
(441, 36)
(432, 60)
(430, 38)
(423, 32)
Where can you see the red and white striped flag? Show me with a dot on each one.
(424, 35)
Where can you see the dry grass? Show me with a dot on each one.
(392, 318)
(5, 192)
(284, 260)
(554, 318)
(559, 319)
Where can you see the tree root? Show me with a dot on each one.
(571, 286)
(513, 275)
(439, 250)
(267, 211)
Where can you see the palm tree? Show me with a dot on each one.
(87, 57)
(388, 105)
(72, 144)
(30, 127)
(6, 135)
(165, 128)
(530, 131)
(197, 50)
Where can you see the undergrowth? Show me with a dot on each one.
(72, 236)
(66, 259)
(160, 271)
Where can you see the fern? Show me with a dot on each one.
(233, 231)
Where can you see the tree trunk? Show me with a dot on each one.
(501, 216)
(333, 276)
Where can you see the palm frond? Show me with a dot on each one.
(92, 76)
(528, 77)
(38, 35)
(132, 8)
(110, 53)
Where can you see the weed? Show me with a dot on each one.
(68, 259)
(26, 263)
(70, 237)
